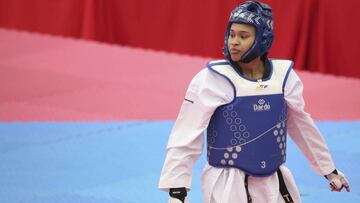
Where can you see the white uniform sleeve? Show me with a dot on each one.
(205, 93)
(302, 129)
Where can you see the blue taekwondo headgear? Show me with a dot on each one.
(259, 15)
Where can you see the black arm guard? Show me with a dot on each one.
(178, 193)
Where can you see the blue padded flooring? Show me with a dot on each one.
(120, 162)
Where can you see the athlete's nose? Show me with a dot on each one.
(235, 41)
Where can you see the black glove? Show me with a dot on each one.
(178, 193)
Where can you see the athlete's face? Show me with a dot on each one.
(241, 38)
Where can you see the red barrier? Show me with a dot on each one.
(320, 35)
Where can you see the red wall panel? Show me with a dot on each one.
(320, 35)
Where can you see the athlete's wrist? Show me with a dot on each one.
(178, 193)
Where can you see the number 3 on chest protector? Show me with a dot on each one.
(263, 164)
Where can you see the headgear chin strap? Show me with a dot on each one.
(259, 15)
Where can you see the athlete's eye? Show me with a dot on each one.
(244, 36)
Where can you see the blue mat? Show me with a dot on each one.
(120, 162)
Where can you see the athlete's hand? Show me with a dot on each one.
(178, 195)
(338, 181)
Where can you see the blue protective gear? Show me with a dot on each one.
(258, 15)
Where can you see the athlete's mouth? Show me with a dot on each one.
(234, 51)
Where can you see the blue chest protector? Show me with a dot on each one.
(249, 133)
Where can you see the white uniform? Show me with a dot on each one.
(206, 92)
